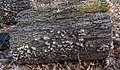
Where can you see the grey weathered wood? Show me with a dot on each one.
(10, 8)
(64, 36)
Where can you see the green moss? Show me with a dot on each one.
(104, 7)
(97, 7)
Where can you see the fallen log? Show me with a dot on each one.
(64, 37)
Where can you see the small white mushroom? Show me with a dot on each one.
(54, 42)
(63, 42)
(45, 50)
(47, 43)
(34, 48)
(116, 35)
(52, 31)
(59, 45)
(77, 43)
(58, 32)
(48, 46)
(71, 46)
(98, 50)
(82, 30)
(62, 34)
(81, 44)
(112, 46)
(46, 38)
(36, 39)
(58, 10)
(26, 46)
(106, 46)
(81, 39)
(51, 48)
(28, 51)
(119, 13)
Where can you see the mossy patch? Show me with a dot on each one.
(97, 7)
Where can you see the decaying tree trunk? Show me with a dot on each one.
(61, 37)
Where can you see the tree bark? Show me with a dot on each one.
(87, 38)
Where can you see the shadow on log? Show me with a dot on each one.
(61, 37)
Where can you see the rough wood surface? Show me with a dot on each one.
(10, 8)
(62, 37)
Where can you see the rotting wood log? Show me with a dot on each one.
(71, 38)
